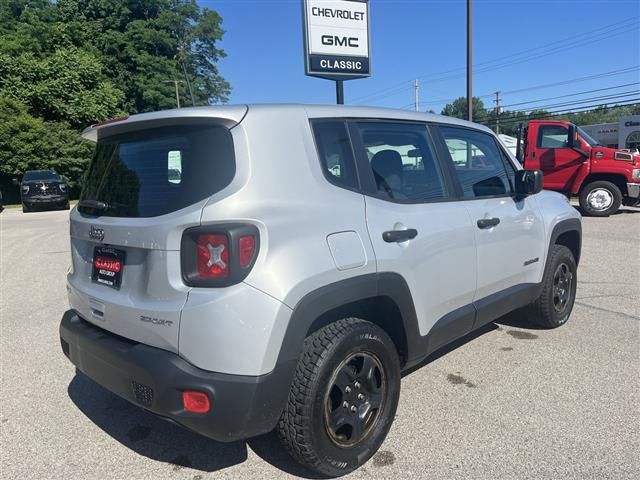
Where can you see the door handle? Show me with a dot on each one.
(397, 236)
(488, 222)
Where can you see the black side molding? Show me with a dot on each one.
(309, 314)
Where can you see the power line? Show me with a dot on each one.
(607, 31)
(539, 54)
(542, 110)
(573, 94)
(589, 34)
(621, 71)
(569, 111)
(629, 93)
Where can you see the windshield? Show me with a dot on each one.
(40, 175)
(157, 171)
(587, 138)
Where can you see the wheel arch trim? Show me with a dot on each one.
(567, 226)
(308, 312)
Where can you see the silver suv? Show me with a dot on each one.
(242, 268)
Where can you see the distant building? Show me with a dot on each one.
(624, 135)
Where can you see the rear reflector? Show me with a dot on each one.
(247, 247)
(195, 402)
(213, 256)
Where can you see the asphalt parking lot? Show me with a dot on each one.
(512, 402)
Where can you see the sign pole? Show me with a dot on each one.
(470, 60)
(340, 92)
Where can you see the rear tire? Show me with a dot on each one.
(25, 209)
(600, 199)
(555, 303)
(343, 397)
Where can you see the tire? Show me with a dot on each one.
(325, 425)
(553, 307)
(600, 198)
(25, 209)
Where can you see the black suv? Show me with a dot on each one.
(43, 188)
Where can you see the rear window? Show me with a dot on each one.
(158, 171)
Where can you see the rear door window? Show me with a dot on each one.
(480, 166)
(401, 163)
(157, 171)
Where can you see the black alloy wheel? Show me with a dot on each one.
(355, 398)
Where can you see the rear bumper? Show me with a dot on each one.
(154, 379)
(633, 190)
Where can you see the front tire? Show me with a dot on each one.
(600, 199)
(555, 303)
(25, 209)
(343, 398)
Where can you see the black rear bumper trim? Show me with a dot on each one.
(154, 379)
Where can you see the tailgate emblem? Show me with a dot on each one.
(156, 321)
(96, 233)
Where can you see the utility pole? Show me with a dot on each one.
(186, 77)
(175, 82)
(417, 94)
(497, 102)
(469, 60)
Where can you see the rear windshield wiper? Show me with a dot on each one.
(94, 204)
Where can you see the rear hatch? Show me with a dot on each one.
(148, 181)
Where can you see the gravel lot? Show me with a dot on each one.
(512, 402)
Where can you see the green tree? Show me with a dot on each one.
(458, 109)
(144, 43)
(67, 85)
(29, 143)
(65, 64)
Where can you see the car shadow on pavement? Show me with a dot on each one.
(160, 440)
(451, 347)
(516, 319)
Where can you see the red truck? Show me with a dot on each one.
(575, 164)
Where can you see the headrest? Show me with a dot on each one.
(386, 163)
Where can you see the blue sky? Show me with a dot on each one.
(540, 42)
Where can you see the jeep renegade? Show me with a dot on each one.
(240, 269)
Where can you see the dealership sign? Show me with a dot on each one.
(336, 34)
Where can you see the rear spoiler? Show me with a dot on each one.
(227, 115)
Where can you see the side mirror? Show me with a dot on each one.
(528, 182)
(15, 181)
(573, 141)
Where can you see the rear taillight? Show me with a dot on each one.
(218, 255)
(212, 256)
